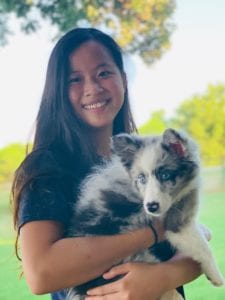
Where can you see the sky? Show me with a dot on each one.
(196, 58)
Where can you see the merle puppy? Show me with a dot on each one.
(147, 177)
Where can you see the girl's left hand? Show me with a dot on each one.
(141, 281)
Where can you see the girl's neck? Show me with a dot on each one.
(101, 141)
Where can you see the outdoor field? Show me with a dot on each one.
(212, 214)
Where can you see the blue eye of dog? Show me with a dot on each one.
(163, 174)
(166, 175)
(141, 178)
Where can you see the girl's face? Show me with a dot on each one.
(96, 85)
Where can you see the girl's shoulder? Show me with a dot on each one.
(37, 161)
(48, 162)
(48, 189)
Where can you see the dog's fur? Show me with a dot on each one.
(147, 178)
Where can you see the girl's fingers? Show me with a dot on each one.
(113, 287)
(105, 289)
(117, 270)
(107, 297)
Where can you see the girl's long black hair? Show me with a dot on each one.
(57, 128)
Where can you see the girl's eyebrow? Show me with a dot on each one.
(104, 65)
(101, 65)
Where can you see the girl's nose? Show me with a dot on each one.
(92, 88)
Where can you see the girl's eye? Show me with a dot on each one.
(141, 178)
(104, 74)
(75, 80)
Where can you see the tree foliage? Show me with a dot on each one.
(155, 125)
(10, 158)
(202, 117)
(139, 26)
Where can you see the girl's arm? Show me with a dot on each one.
(144, 281)
(51, 262)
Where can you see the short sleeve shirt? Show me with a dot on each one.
(46, 199)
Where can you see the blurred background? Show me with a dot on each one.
(175, 62)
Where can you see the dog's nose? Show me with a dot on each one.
(153, 207)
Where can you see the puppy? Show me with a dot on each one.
(147, 178)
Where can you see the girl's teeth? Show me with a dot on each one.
(95, 105)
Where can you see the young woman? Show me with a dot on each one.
(84, 103)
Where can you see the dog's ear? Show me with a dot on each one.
(175, 143)
(126, 146)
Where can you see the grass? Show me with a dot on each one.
(12, 287)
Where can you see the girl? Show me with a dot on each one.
(84, 103)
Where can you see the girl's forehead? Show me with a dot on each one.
(90, 54)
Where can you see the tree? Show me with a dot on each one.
(203, 117)
(10, 158)
(141, 27)
(155, 125)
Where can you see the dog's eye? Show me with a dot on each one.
(142, 178)
(165, 176)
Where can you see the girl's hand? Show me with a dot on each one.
(141, 281)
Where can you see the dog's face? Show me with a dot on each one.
(163, 169)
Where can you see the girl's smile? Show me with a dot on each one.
(96, 105)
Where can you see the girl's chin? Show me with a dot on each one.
(96, 125)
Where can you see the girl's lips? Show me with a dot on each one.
(95, 105)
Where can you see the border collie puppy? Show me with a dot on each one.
(146, 178)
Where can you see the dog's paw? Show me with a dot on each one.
(205, 232)
(217, 280)
(212, 272)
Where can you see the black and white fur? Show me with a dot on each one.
(147, 178)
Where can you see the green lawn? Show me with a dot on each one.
(12, 287)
